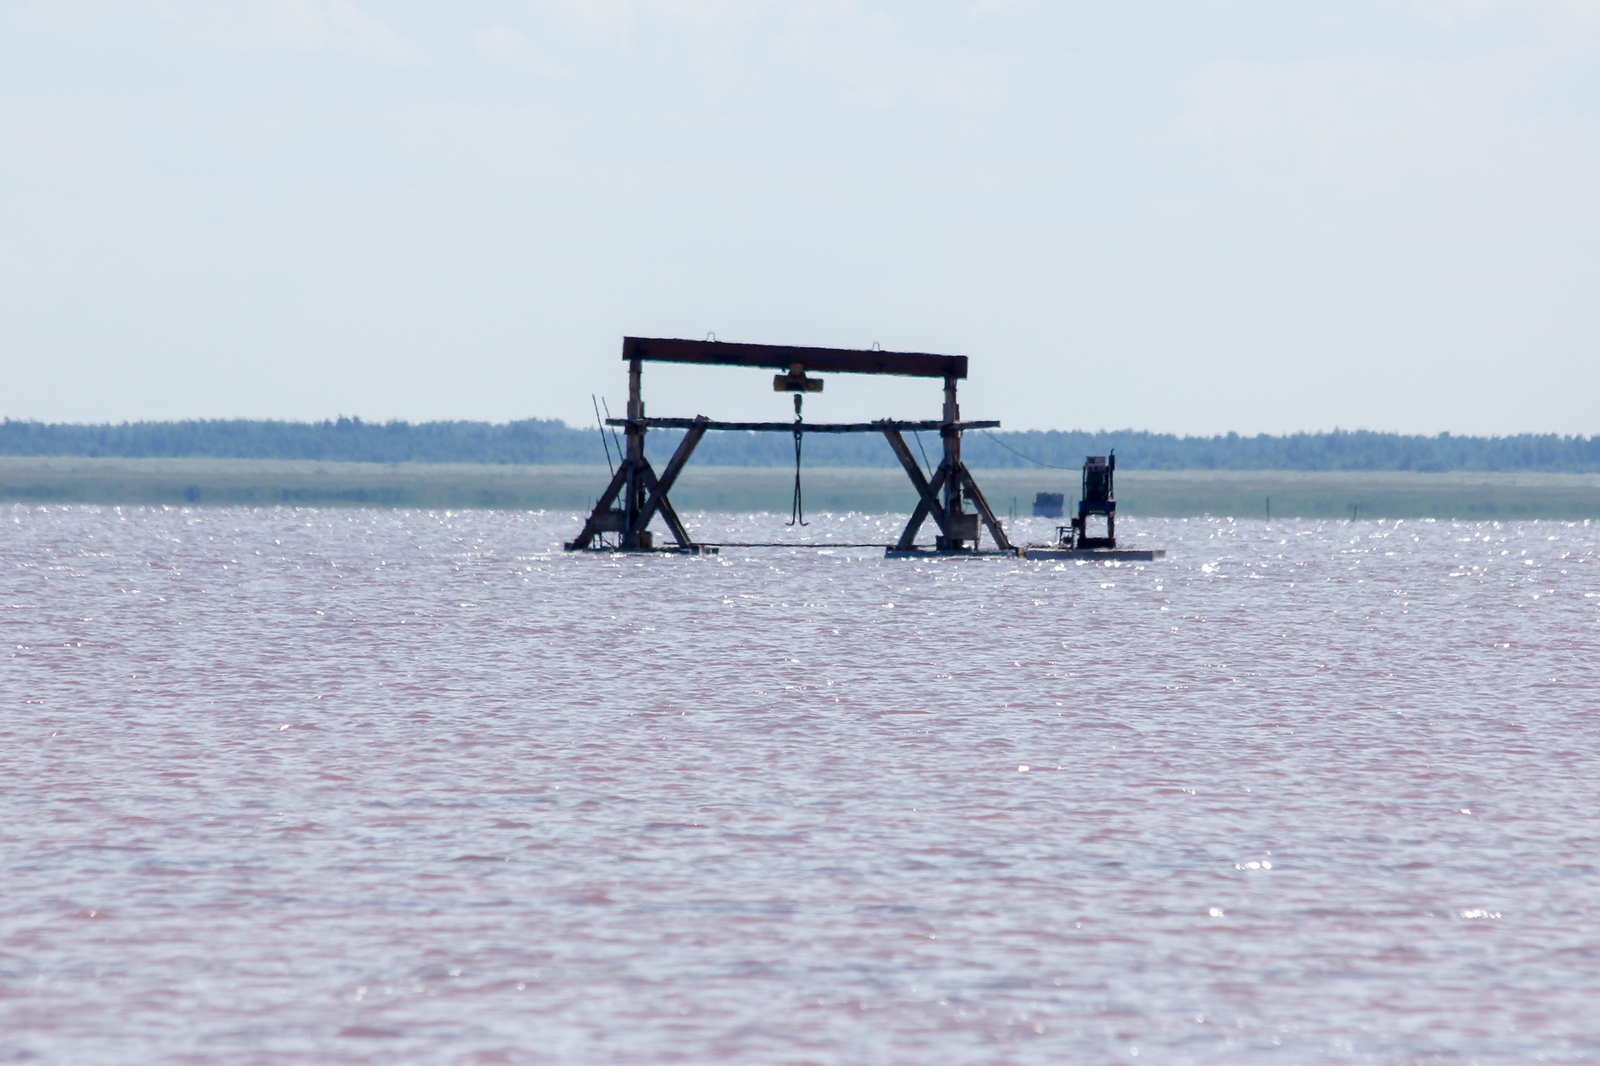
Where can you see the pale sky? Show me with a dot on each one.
(1194, 217)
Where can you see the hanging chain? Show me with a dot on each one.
(797, 513)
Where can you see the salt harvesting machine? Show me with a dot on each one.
(637, 494)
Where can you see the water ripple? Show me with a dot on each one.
(371, 786)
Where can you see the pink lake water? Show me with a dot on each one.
(301, 786)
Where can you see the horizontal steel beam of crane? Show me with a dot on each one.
(782, 357)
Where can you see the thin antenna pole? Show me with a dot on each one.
(613, 430)
(924, 452)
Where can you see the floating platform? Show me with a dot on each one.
(1121, 555)
(932, 553)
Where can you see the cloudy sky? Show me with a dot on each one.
(1179, 215)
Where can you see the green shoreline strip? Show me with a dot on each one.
(1240, 494)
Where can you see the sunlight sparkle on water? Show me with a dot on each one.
(413, 787)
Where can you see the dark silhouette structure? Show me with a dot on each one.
(1099, 498)
(637, 494)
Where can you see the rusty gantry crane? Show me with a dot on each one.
(637, 494)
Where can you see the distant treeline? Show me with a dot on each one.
(551, 441)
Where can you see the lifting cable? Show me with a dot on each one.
(1031, 459)
(797, 513)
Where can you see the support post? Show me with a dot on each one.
(634, 533)
(954, 529)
